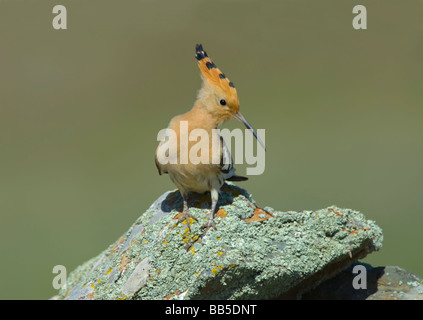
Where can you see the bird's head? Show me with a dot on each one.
(218, 94)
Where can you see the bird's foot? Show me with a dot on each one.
(209, 224)
(186, 216)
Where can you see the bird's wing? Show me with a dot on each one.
(226, 161)
(158, 165)
(226, 165)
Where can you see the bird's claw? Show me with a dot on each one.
(186, 216)
(209, 224)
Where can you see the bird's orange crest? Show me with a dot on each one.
(211, 73)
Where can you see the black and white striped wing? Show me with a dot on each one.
(226, 163)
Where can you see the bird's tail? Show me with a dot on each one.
(237, 178)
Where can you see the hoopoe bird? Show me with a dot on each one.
(217, 102)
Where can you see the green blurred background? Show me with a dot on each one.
(80, 110)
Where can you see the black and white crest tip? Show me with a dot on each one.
(199, 52)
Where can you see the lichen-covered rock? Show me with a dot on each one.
(254, 253)
(382, 283)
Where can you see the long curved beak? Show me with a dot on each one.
(241, 118)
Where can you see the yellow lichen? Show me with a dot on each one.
(215, 270)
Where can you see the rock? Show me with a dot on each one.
(255, 253)
(383, 283)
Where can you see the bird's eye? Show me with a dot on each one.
(223, 102)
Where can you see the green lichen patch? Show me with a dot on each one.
(253, 253)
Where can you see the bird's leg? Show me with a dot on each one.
(210, 220)
(185, 214)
